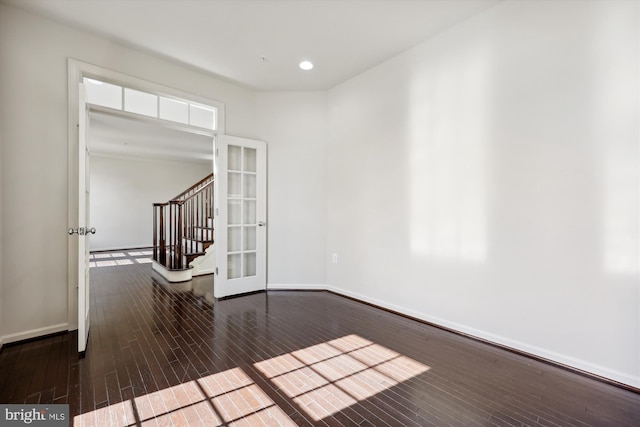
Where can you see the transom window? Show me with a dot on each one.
(149, 104)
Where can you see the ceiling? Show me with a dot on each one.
(255, 43)
(259, 43)
(124, 137)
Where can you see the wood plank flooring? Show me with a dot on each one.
(166, 355)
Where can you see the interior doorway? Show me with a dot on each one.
(79, 172)
(133, 165)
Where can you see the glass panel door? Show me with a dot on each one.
(240, 223)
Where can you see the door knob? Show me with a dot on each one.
(261, 224)
(81, 231)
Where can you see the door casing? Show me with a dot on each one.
(77, 71)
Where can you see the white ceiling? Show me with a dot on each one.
(227, 38)
(124, 137)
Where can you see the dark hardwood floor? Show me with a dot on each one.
(170, 355)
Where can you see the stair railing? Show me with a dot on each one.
(198, 219)
(182, 227)
(194, 188)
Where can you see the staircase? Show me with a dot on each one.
(183, 233)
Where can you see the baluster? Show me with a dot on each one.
(179, 237)
(192, 229)
(163, 241)
(155, 235)
(172, 237)
(197, 209)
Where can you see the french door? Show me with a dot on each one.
(84, 229)
(240, 221)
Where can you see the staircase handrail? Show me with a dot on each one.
(200, 190)
(196, 185)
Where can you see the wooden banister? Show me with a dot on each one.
(181, 229)
(202, 182)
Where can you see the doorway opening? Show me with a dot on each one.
(134, 165)
(201, 112)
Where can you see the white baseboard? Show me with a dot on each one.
(295, 287)
(551, 356)
(483, 335)
(34, 333)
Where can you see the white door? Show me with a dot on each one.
(84, 228)
(241, 212)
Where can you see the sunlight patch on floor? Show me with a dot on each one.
(111, 259)
(227, 398)
(321, 380)
(326, 378)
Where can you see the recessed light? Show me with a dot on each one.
(306, 65)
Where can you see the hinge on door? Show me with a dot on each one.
(216, 271)
(217, 212)
(216, 152)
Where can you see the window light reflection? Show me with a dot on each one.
(325, 378)
(321, 380)
(111, 259)
(225, 398)
(447, 158)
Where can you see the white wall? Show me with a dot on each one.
(33, 106)
(294, 127)
(123, 191)
(487, 180)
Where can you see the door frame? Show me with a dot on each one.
(76, 72)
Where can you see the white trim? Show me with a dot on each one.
(497, 339)
(568, 361)
(76, 71)
(85, 69)
(34, 333)
(173, 276)
(295, 287)
(126, 115)
(145, 158)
